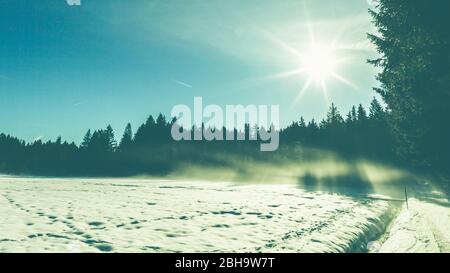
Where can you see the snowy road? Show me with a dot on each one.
(424, 227)
(120, 215)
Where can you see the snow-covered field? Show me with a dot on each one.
(126, 215)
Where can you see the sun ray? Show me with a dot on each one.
(271, 77)
(285, 74)
(341, 30)
(312, 38)
(302, 92)
(320, 62)
(345, 81)
(281, 43)
(325, 92)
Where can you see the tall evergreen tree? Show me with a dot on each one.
(376, 111)
(127, 138)
(86, 139)
(110, 138)
(414, 43)
(333, 117)
(361, 115)
(302, 123)
(351, 116)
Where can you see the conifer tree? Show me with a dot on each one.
(127, 138)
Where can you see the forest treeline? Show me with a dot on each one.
(151, 150)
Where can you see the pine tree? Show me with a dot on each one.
(312, 125)
(376, 111)
(110, 139)
(144, 134)
(361, 115)
(302, 123)
(334, 117)
(161, 120)
(351, 116)
(414, 43)
(127, 138)
(86, 140)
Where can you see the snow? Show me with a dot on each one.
(138, 215)
(422, 227)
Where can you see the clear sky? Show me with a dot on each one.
(65, 69)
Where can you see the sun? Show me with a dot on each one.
(319, 62)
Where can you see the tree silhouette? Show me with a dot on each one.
(361, 115)
(127, 138)
(111, 141)
(334, 118)
(414, 43)
(86, 139)
(153, 151)
(351, 116)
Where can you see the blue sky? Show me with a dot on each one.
(65, 69)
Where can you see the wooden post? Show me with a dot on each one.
(406, 199)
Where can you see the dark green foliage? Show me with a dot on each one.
(86, 140)
(127, 139)
(359, 135)
(414, 42)
(152, 151)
